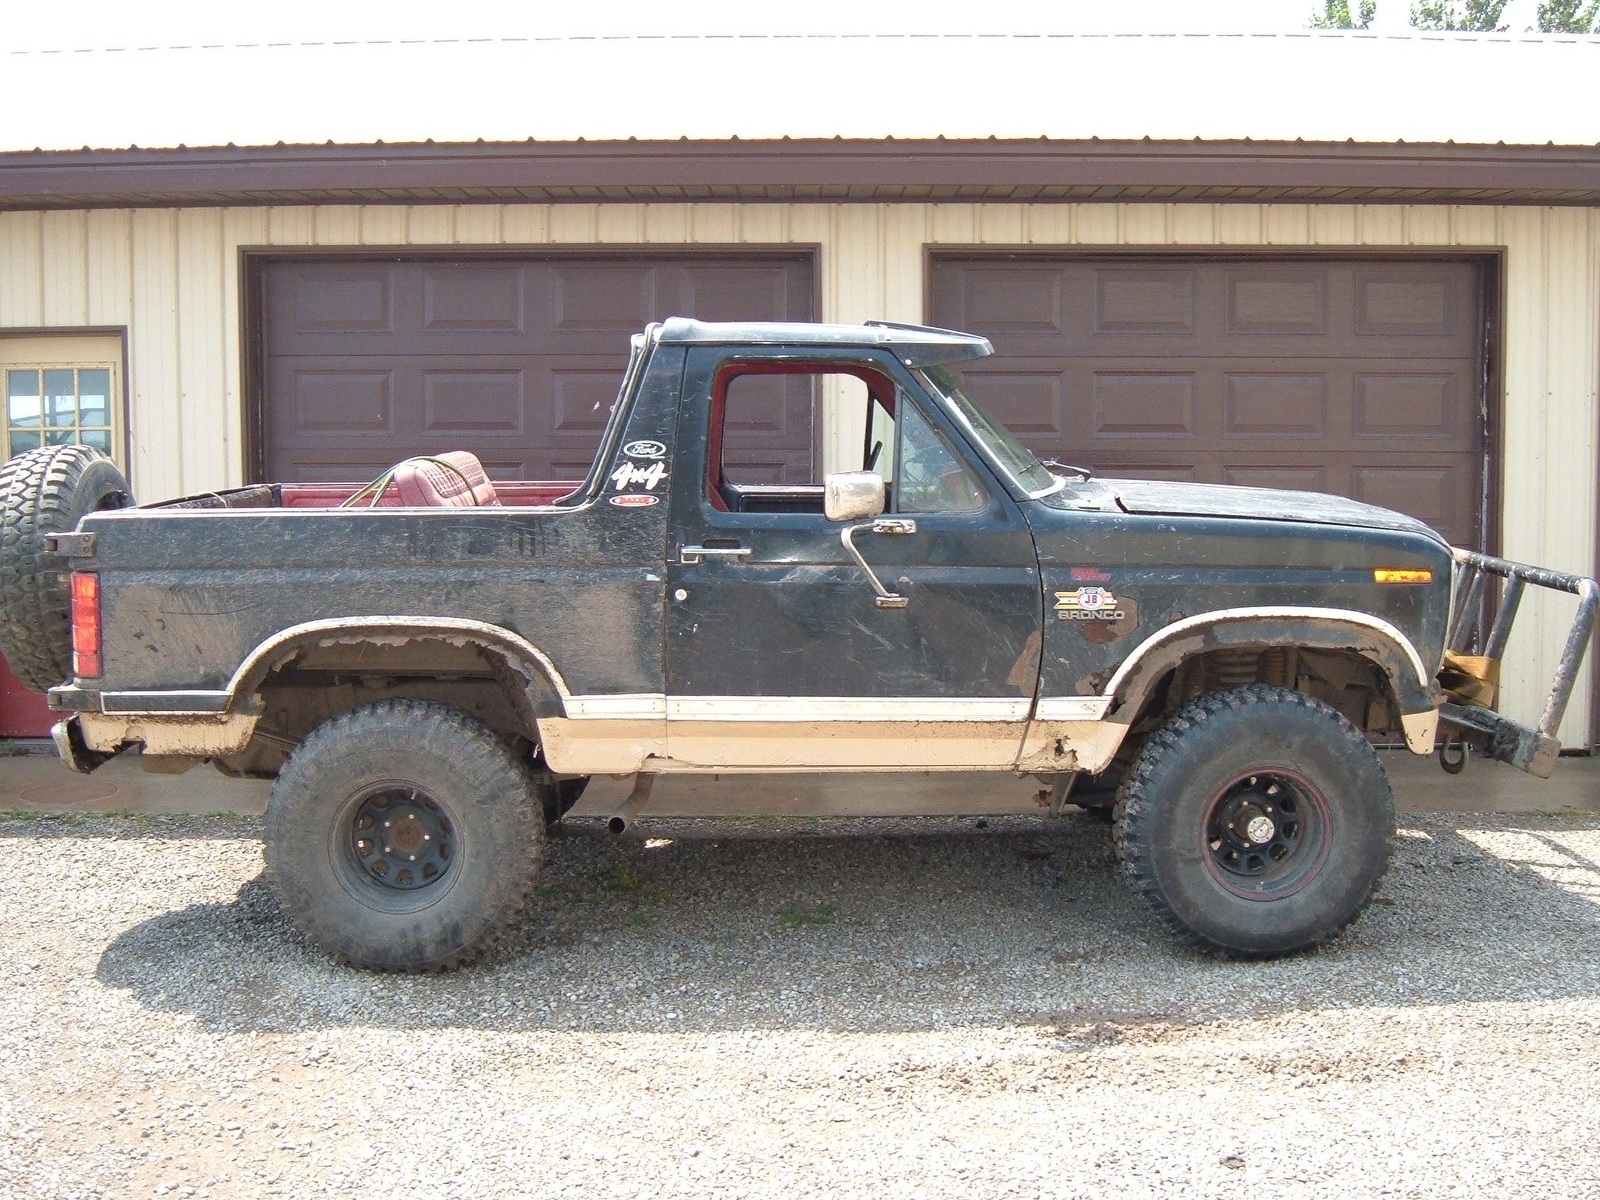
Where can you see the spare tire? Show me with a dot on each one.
(45, 491)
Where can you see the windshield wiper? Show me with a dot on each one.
(1082, 473)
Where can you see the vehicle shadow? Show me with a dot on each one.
(900, 932)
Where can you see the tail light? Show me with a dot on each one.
(86, 661)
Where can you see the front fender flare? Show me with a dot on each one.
(1310, 628)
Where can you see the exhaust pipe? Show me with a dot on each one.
(622, 820)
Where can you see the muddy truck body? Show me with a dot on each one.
(432, 666)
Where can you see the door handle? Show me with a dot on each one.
(691, 556)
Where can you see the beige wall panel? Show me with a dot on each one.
(619, 223)
(21, 270)
(1097, 224)
(760, 223)
(904, 232)
(155, 420)
(431, 225)
(1001, 225)
(1334, 225)
(573, 223)
(809, 224)
(667, 223)
(1047, 223)
(1194, 224)
(65, 268)
(525, 224)
(1142, 224)
(715, 223)
(1239, 224)
(291, 226)
(478, 224)
(207, 449)
(1287, 224)
(953, 224)
(336, 225)
(1474, 226)
(1382, 225)
(108, 269)
(383, 225)
(1428, 225)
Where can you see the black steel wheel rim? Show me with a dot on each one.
(398, 840)
(1267, 834)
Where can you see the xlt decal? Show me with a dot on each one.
(1088, 604)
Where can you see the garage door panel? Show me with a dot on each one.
(1410, 404)
(1412, 301)
(610, 300)
(1145, 300)
(474, 298)
(516, 359)
(485, 400)
(330, 400)
(1275, 300)
(351, 299)
(1275, 404)
(1356, 377)
(1143, 404)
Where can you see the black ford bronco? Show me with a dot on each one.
(432, 665)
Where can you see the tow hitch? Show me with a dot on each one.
(1492, 735)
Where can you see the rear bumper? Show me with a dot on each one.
(1534, 750)
(68, 737)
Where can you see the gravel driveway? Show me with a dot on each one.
(948, 1008)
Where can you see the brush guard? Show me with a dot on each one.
(1492, 735)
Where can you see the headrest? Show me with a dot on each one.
(453, 480)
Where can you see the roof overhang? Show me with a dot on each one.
(824, 170)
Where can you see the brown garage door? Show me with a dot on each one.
(1361, 378)
(517, 359)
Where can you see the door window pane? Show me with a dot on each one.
(55, 406)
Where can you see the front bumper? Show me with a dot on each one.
(1492, 735)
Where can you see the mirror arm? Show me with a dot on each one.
(884, 598)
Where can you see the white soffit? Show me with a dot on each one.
(1280, 87)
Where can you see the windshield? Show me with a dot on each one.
(1011, 455)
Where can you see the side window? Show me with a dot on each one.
(932, 478)
(777, 428)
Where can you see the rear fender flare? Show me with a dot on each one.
(545, 690)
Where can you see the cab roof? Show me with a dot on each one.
(914, 345)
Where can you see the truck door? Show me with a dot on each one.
(779, 650)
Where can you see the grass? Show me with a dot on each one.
(807, 916)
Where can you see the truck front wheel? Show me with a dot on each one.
(403, 836)
(1256, 821)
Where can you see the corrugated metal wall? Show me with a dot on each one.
(171, 277)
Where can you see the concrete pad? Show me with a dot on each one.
(40, 783)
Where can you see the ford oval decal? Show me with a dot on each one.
(644, 449)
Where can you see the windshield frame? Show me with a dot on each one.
(998, 445)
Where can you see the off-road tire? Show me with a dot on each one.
(490, 807)
(42, 492)
(1229, 744)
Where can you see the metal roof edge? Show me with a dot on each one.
(799, 169)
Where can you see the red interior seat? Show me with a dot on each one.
(430, 483)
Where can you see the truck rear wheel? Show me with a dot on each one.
(45, 491)
(1256, 821)
(404, 836)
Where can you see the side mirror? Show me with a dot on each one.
(851, 495)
